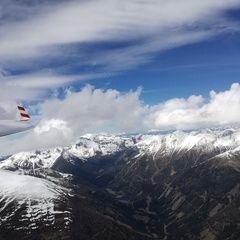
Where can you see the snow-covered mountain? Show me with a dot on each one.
(87, 146)
(179, 140)
(27, 203)
(177, 185)
(91, 145)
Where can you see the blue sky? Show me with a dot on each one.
(197, 69)
(193, 69)
(192, 66)
(83, 65)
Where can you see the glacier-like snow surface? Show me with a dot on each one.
(36, 198)
(22, 186)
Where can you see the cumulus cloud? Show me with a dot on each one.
(90, 110)
(176, 113)
(196, 112)
(93, 109)
(48, 134)
(96, 110)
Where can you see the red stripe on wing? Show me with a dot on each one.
(21, 108)
(25, 115)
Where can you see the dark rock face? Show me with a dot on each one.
(191, 202)
(136, 193)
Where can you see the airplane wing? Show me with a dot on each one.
(8, 127)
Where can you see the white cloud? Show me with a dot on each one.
(90, 110)
(156, 25)
(44, 80)
(97, 110)
(196, 112)
(35, 87)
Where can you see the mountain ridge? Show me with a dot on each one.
(90, 145)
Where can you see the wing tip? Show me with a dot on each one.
(24, 116)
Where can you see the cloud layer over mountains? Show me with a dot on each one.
(97, 110)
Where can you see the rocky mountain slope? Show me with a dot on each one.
(178, 185)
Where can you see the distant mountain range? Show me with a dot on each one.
(179, 185)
